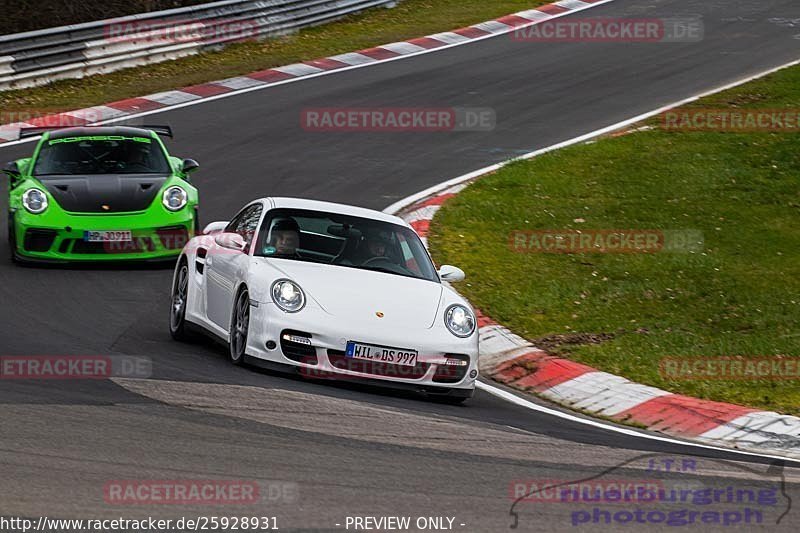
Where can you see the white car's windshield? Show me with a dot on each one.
(346, 241)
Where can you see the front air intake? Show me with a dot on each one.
(39, 240)
(454, 371)
(296, 345)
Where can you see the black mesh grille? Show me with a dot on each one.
(136, 246)
(39, 240)
(376, 368)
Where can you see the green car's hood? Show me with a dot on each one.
(107, 193)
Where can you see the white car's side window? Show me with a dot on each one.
(248, 223)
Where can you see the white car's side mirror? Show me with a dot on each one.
(215, 227)
(450, 273)
(231, 241)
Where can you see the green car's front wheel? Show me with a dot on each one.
(12, 239)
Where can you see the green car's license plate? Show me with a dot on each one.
(107, 236)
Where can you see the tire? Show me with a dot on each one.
(178, 299)
(240, 326)
(12, 239)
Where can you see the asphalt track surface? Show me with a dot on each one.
(350, 450)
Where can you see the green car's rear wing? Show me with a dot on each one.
(25, 133)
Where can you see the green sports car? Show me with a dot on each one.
(99, 193)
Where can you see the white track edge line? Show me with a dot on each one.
(269, 85)
(522, 402)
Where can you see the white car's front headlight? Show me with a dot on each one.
(288, 295)
(34, 200)
(175, 198)
(459, 320)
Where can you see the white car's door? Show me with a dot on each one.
(225, 267)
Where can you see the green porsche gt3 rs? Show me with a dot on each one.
(99, 193)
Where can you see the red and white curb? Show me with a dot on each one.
(515, 362)
(115, 111)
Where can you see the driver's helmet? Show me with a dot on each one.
(284, 237)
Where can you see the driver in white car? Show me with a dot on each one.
(284, 238)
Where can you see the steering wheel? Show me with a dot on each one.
(375, 259)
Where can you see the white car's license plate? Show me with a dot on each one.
(381, 354)
(107, 236)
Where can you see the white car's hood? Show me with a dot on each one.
(357, 295)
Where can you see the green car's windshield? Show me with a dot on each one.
(343, 240)
(100, 154)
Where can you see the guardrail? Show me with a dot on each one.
(39, 57)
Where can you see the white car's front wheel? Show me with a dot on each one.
(240, 324)
(177, 313)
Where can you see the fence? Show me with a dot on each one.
(39, 57)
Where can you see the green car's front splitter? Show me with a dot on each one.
(56, 236)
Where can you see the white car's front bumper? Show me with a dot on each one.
(324, 357)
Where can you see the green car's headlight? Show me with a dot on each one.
(288, 295)
(459, 320)
(175, 198)
(34, 200)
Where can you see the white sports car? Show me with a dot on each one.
(331, 290)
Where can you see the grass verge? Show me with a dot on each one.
(738, 295)
(410, 19)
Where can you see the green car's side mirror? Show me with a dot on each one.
(189, 165)
(12, 169)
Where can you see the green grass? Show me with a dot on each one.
(411, 18)
(739, 296)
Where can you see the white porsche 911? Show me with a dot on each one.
(331, 290)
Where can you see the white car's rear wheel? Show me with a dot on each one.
(240, 325)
